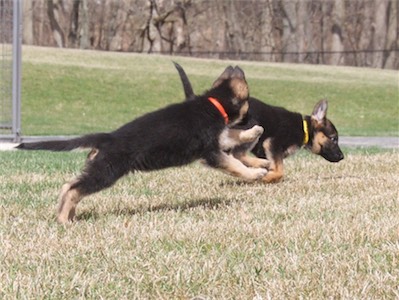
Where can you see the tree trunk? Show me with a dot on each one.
(365, 34)
(27, 31)
(337, 45)
(380, 27)
(303, 32)
(267, 44)
(84, 42)
(73, 35)
(392, 57)
(307, 31)
(58, 34)
(289, 31)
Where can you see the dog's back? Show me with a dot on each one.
(279, 124)
(284, 132)
(172, 136)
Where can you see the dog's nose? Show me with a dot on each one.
(340, 156)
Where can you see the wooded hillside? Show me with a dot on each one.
(337, 32)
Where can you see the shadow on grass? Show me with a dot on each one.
(205, 203)
(238, 182)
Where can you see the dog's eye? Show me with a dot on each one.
(334, 139)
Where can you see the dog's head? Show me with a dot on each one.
(323, 136)
(231, 90)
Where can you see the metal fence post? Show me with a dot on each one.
(16, 70)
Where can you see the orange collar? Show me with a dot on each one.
(220, 108)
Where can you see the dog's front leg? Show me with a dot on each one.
(275, 173)
(231, 138)
(275, 168)
(234, 167)
(248, 136)
(251, 161)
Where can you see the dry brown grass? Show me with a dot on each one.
(327, 231)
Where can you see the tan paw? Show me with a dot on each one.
(252, 134)
(256, 173)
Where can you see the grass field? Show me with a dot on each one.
(74, 92)
(327, 231)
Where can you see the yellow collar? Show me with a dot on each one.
(306, 132)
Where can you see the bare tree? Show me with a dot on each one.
(73, 35)
(380, 26)
(27, 30)
(392, 55)
(53, 15)
(350, 32)
(84, 41)
(337, 43)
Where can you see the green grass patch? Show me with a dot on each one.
(67, 92)
(327, 231)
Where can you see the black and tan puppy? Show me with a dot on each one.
(173, 136)
(284, 133)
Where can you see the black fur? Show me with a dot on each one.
(188, 90)
(283, 130)
(173, 136)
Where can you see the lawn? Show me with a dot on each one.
(68, 92)
(327, 231)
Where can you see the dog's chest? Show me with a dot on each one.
(225, 142)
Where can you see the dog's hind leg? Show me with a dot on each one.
(99, 173)
(68, 200)
(234, 167)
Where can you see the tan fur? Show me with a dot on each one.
(252, 161)
(231, 138)
(291, 150)
(92, 154)
(236, 168)
(275, 172)
(276, 165)
(318, 140)
(240, 88)
(248, 136)
(68, 200)
(243, 112)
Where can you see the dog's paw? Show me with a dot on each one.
(258, 130)
(272, 177)
(263, 163)
(256, 173)
(252, 134)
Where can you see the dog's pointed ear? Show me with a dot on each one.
(239, 85)
(238, 73)
(227, 73)
(320, 111)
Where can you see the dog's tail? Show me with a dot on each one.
(188, 89)
(95, 140)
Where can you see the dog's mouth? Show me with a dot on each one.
(333, 156)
